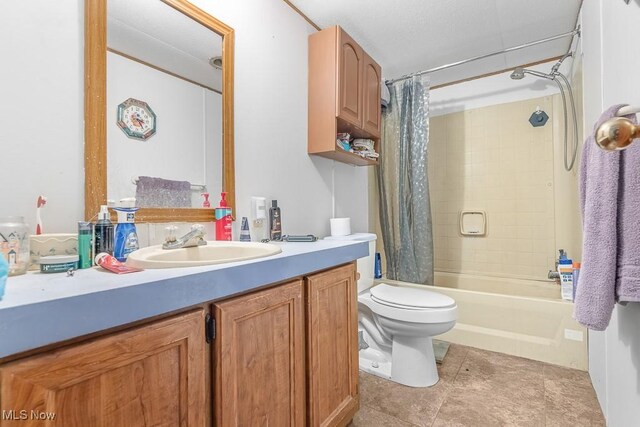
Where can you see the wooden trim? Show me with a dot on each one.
(95, 113)
(162, 70)
(95, 89)
(305, 17)
(493, 73)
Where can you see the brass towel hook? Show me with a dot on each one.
(617, 133)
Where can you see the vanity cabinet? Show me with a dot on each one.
(344, 95)
(149, 375)
(259, 358)
(286, 355)
(332, 346)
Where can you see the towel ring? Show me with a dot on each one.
(618, 133)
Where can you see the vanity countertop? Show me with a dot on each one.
(41, 309)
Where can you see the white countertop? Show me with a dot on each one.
(39, 309)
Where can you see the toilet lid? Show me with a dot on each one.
(410, 297)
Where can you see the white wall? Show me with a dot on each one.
(41, 109)
(43, 153)
(610, 29)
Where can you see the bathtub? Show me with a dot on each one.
(524, 318)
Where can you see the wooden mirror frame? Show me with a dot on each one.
(95, 127)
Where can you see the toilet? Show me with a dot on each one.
(396, 324)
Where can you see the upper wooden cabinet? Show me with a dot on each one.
(259, 358)
(150, 375)
(344, 95)
(350, 66)
(371, 76)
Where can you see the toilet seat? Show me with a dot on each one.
(409, 298)
(408, 314)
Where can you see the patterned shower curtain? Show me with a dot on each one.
(405, 209)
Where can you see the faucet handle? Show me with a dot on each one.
(198, 227)
(170, 234)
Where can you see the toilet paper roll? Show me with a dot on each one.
(340, 226)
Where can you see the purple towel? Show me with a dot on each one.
(610, 200)
(162, 193)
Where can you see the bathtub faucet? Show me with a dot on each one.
(553, 275)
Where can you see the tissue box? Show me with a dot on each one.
(51, 244)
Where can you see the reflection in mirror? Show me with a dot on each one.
(164, 106)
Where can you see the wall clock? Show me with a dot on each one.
(136, 119)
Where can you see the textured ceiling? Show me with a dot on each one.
(405, 36)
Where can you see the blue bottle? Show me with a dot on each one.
(377, 272)
(126, 240)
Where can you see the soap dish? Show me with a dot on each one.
(473, 223)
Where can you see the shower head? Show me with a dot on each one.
(518, 74)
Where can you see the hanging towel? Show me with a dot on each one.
(610, 201)
(162, 193)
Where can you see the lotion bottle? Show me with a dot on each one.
(275, 222)
(224, 219)
(103, 239)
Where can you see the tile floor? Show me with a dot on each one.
(481, 388)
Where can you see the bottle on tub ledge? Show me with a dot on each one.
(565, 270)
(224, 219)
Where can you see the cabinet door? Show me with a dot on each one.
(350, 61)
(153, 375)
(259, 358)
(332, 346)
(371, 103)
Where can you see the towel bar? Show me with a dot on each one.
(194, 187)
(618, 133)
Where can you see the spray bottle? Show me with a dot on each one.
(224, 219)
(126, 235)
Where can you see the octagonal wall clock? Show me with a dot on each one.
(136, 119)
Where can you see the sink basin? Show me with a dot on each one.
(214, 252)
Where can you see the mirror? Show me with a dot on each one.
(158, 108)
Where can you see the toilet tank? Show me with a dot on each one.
(365, 265)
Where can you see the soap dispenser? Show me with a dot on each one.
(224, 219)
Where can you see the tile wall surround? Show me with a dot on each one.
(492, 159)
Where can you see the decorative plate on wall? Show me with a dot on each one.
(136, 119)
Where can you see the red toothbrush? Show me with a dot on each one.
(41, 202)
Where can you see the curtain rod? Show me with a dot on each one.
(475, 58)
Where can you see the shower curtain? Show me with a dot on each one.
(403, 184)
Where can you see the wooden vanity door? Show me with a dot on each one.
(259, 359)
(350, 62)
(332, 346)
(151, 375)
(371, 104)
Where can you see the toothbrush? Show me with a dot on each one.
(41, 202)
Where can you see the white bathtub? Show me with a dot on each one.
(524, 318)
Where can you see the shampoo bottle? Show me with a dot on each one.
(275, 222)
(224, 219)
(103, 239)
(126, 235)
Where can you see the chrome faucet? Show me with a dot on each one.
(193, 238)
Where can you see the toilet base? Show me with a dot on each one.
(412, 362)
